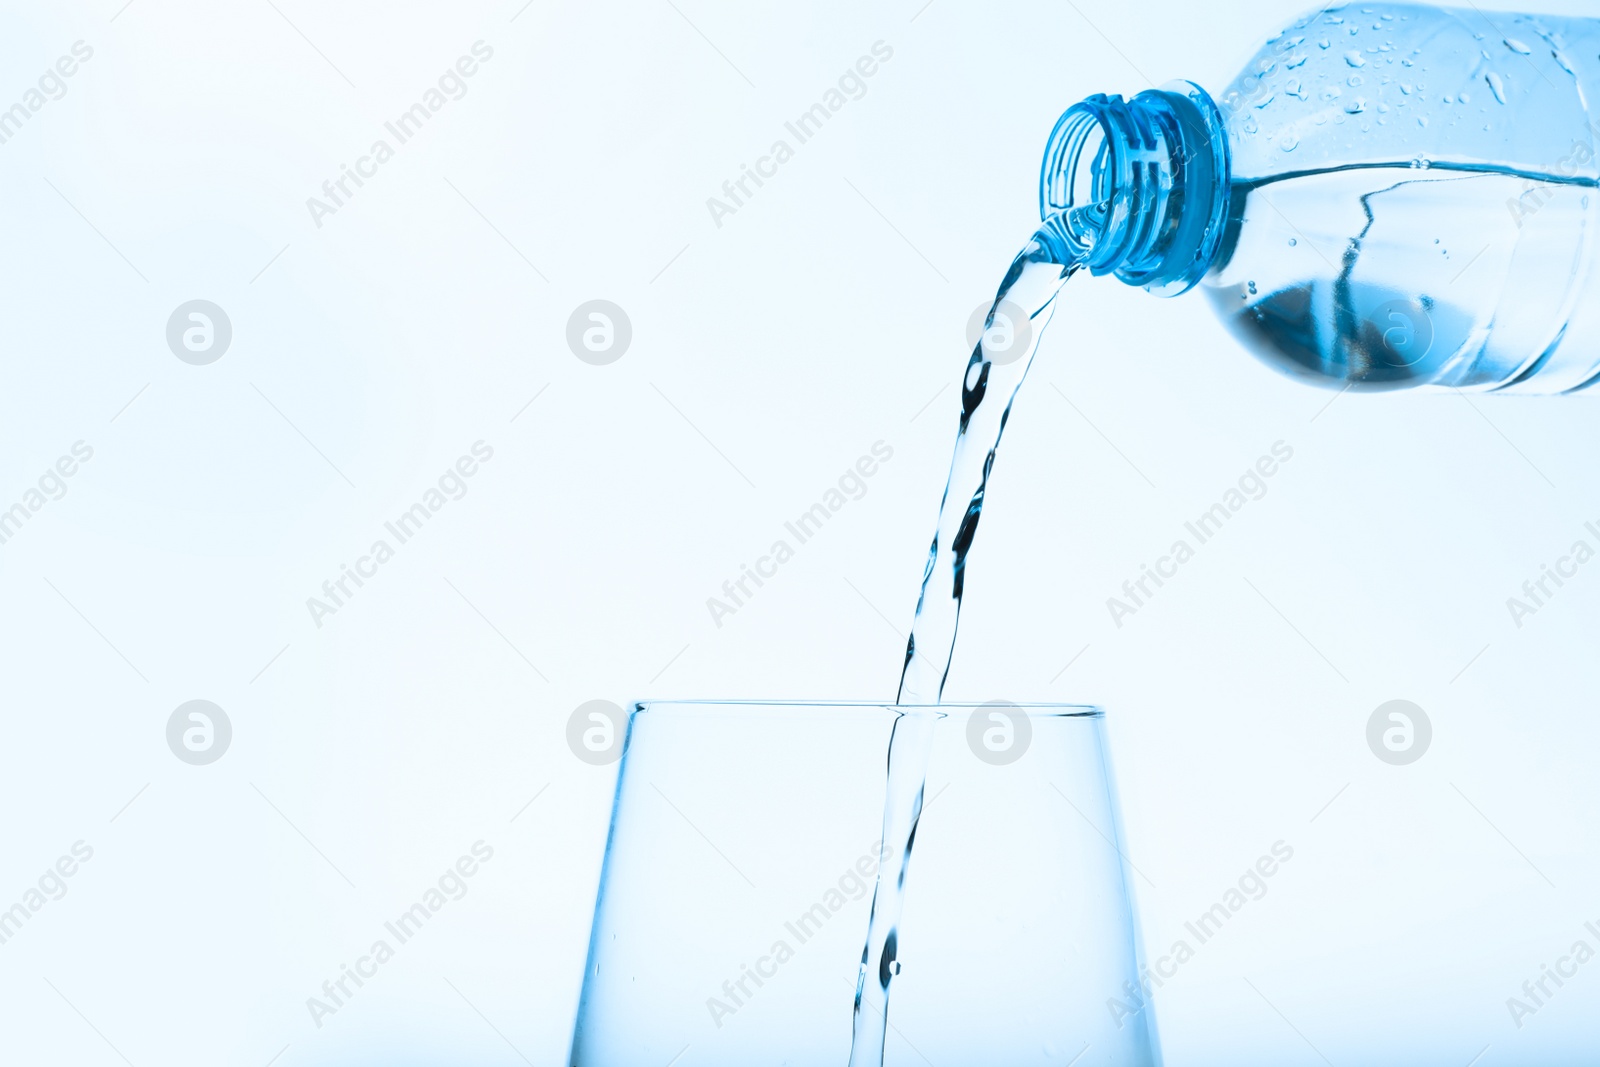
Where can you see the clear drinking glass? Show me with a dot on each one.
(739, 877)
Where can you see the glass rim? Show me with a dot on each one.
(1033, 709)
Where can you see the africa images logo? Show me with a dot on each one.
(1399, 732)
(199, 732)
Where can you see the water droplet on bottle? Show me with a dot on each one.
(1294, 61)
(1289, 143)
(1405, 87)
(1355, 59)
(1563, 61)
(894, 968)
(1252, 287)
(1356, 106)
(1324, 43)
(1266, 100)
(1330, 92)
(1250, 126)
(1518, 47)
(1464, 96)
(1496, 86)
(1422, 120)
(1293, 242)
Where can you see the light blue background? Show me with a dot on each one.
(827, 314)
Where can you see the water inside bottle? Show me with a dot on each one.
(1386, 277)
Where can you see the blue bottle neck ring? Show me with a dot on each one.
(1140, 188)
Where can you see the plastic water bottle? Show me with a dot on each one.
(1389, 195)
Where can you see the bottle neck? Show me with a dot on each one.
(1140, 188)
